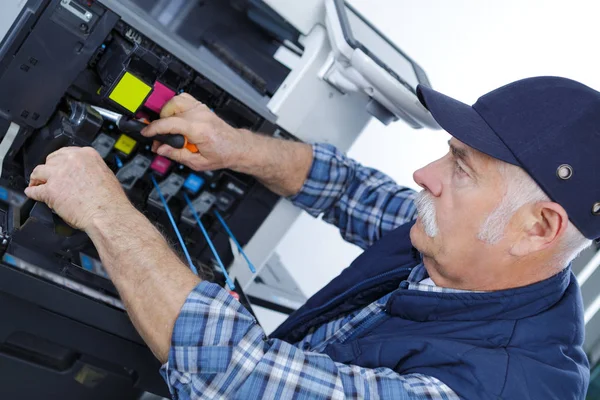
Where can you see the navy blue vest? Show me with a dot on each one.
(523, 343)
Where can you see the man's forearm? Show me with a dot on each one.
(281, 165)
(151, 280)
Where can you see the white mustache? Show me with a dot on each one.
(426, 211)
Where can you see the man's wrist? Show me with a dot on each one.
(107, 218)
(247, 151)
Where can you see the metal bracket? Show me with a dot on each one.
(77, 10)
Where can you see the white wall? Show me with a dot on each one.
(467, 48)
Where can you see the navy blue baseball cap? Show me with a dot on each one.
(549, 126)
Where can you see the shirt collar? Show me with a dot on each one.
(418, 274)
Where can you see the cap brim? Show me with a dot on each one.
(465, 124)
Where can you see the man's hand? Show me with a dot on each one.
(220, 145)
(76, 183)
(281, 165)
(150, 278)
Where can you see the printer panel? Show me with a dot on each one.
(57, 59)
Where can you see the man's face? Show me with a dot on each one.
(460, 191)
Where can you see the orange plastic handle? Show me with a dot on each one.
(190, 146)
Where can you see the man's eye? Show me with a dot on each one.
(459, 169)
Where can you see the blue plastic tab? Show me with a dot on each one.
(119, 162)
(10, 260)
(3, 194)
(86, 262)
(193, 183)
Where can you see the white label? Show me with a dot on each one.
(7, 141)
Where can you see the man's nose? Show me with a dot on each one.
(429, 178)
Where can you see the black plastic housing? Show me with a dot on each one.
(56, 340)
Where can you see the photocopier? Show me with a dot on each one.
(310, 70)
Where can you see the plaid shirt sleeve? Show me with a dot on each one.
(362, 202)
(218, 351)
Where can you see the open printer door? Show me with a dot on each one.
(64, 333)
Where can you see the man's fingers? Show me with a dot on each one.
(40, 174)
(178, 105)
(37, 193)
(166, 126)
(181, 156)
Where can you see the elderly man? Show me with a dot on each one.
(474, 300)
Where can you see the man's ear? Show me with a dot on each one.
(542, 225)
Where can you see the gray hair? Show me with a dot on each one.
(521, 190)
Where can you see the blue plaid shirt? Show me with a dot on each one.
(218, 350)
